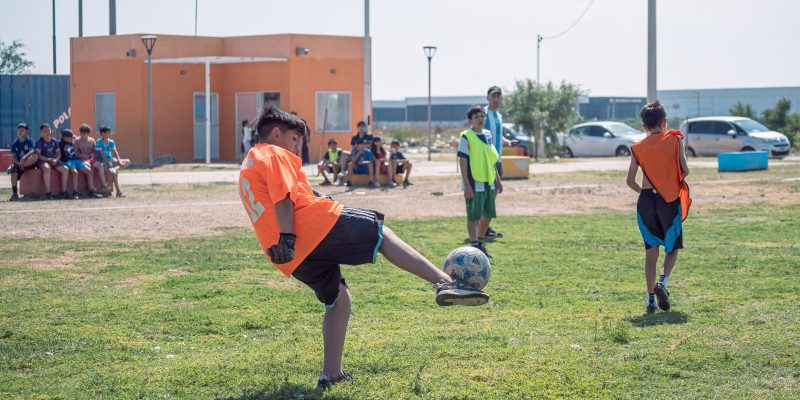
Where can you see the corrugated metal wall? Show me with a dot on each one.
(33, 99)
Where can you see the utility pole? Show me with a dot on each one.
(80, 18)
(54, 37)
(651, 51)
(195, 17)
(112, 17)
(367, 61)
(538, 47)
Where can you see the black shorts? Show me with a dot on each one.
(659, 221)
(353, 240)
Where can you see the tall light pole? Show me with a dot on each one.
(430, 51)
(651, 51)
(149, 42)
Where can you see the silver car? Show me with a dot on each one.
(600, 138)
(709, 136)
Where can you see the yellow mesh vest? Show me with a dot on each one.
(482, 158)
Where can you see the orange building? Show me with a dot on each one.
(319, 77)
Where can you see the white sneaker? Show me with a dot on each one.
(340, 182)
(392, 184)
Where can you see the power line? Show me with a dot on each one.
(574, 24)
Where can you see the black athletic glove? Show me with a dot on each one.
(283, 252)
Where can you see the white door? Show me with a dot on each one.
(200, 126)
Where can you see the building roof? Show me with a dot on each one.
(216, 60)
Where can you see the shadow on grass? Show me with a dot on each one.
(285, 391)
(659, 318)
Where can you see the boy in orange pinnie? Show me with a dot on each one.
(663, 199)
(308, 236)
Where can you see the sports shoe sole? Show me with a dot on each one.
(450, 298)
(662, 296)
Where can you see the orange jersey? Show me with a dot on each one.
(270, 174)
(660, 159)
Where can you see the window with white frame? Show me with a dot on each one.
(333, 112)
(104, 111)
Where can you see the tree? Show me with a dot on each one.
(12, 58)
(776, 118)
(534, 107)
(743, 110)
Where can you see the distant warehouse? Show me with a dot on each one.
(690, 103)
(452, 110)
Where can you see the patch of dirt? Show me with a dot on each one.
(189, 210)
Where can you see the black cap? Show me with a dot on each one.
(67, 133)
(494, 89)
(22, 125)
(332, 141)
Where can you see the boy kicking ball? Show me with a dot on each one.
(307, 236)
(663, 199)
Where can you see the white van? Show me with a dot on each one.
(708, 136)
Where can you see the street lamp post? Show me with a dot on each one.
(429, 52)
(149, 42)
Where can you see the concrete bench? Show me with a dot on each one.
(513, 151)
(6, 158)
(363, 180)
(32, 183)
(742, 161)
(515, 167)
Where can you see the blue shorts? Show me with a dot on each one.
(362, 169)
(76, 164)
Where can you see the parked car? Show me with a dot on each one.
(599, 138)
(515, 132)
(711, 135)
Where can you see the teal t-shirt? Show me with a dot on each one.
(105, 149)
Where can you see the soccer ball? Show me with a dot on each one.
(468, 265)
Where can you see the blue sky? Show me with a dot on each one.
(701, 43)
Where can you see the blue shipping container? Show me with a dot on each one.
(32, 99)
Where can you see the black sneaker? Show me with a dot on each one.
(482, 248)
(325, 381)
(348, 183)
(491, 233)
(14, 197)
(456, 293)
(93, 194)
(651, 306)
(406, 183)
(663, 296)
(48, 196)
(76, 196)
(325, 183)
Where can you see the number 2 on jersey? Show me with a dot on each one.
(254, 208)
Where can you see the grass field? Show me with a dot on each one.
(206, 317)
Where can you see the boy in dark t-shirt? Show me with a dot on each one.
(50, 158)
(399, 163)
(23, 157)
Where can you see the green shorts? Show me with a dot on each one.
(481, 205)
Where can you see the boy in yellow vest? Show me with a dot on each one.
(477, 159)
(663, 199)
(330, 163)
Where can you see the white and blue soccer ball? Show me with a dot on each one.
(469, 266)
